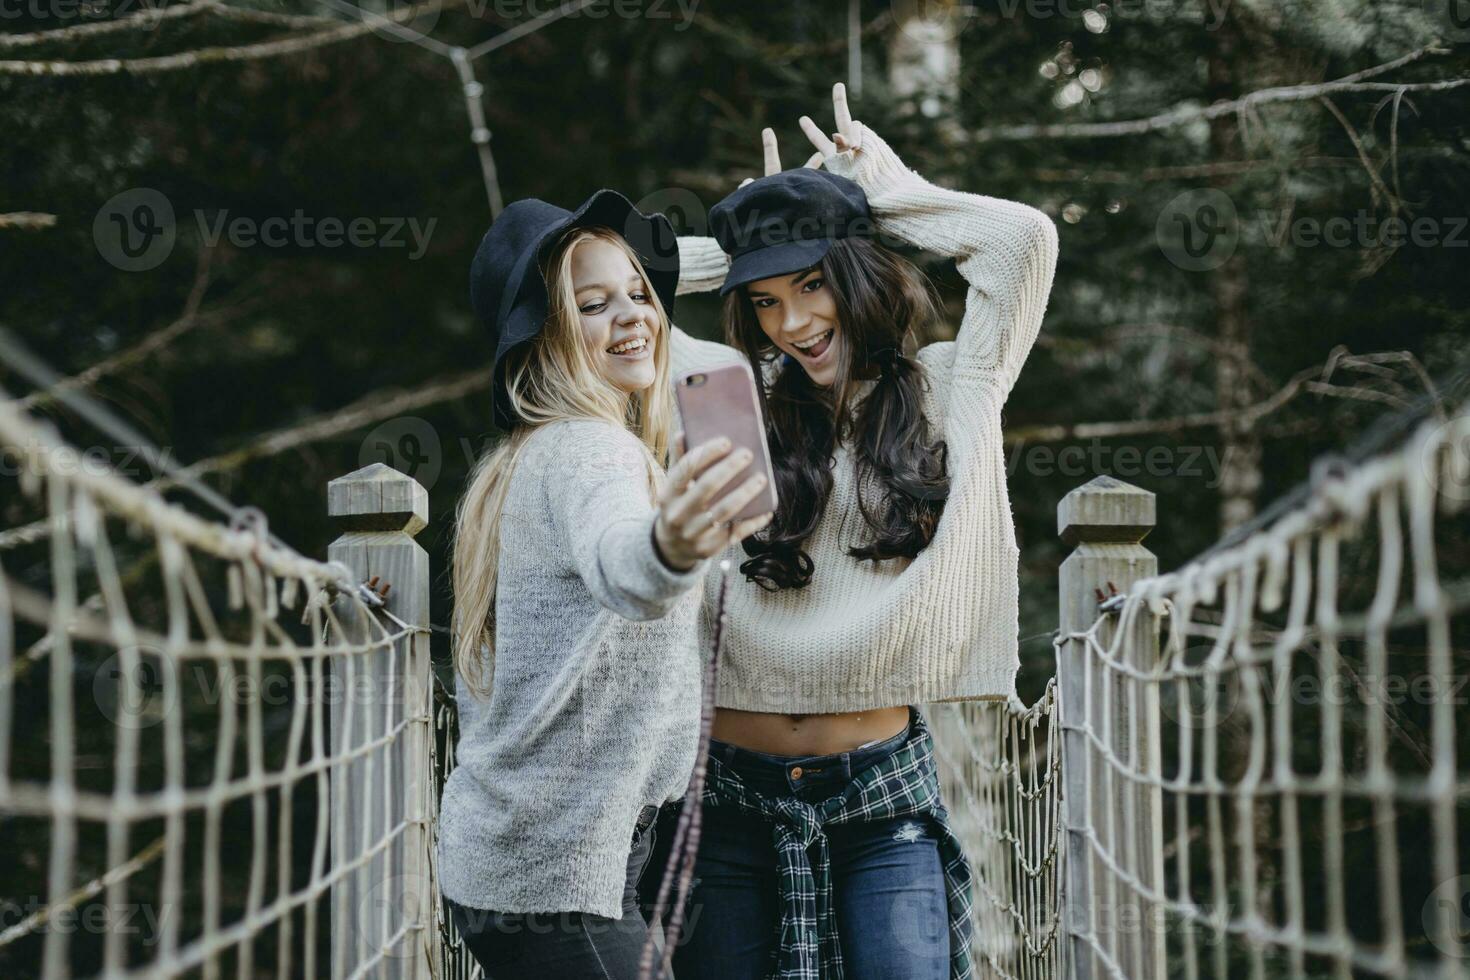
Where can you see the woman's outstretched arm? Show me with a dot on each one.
(602, 515)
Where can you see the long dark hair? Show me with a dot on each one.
(881, 300)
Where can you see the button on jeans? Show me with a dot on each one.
(563, 945)
(888, 883)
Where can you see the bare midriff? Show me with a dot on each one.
(778, 734)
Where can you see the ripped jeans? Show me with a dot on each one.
(889, 886)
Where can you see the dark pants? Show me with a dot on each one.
(563, 945)
(888, 882)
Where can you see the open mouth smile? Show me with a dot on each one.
(815, 347)
(630, 348)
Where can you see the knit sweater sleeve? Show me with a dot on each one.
(602, 515)
(1005, 250)
(702, 268)
(702, 265)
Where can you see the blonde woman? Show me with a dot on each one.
(577, 566)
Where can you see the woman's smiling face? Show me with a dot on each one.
(616, 310)
(798, 313)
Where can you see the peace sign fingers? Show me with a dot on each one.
(824, 145)
(845, 125)
(773, 156)
(768, 147)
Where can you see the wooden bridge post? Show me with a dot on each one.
(1105, 521)
(385, 694)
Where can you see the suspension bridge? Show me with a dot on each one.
(220, 756)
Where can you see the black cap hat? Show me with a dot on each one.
(508, 289)
(786, 222)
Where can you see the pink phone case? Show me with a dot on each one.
(722, 401)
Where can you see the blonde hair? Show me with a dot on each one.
(550, 379)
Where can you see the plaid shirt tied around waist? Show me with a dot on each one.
(904, 784)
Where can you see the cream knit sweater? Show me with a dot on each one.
(942, 626)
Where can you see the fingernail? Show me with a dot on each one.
(724, 442)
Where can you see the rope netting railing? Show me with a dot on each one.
(452, 959)
(1248, 767)
(216, 755)
(1278, 791)
(999, 768)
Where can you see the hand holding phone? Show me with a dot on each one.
(723, 489)
(722, 402)
(697, 512)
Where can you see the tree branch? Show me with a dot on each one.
(151, 17)
(305, 41)
(29, 220)
(1313, 379)
(1190, 112)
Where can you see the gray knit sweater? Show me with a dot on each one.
(594, 706)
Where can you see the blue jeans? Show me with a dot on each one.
(888, 883)
(563, 945)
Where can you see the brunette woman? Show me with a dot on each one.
(886, 579)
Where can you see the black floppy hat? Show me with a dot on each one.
(787, 222)
(508, 288)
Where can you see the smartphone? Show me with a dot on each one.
(722, 401)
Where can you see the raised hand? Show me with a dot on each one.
(771, 156)
(849, 135)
